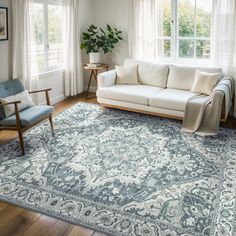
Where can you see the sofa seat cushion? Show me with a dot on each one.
(138, 94)
(29, 115)
(173, 99)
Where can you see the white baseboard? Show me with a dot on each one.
(55, 100)
(92, 89)
(58, 99)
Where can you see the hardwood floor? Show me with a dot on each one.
(16, 221)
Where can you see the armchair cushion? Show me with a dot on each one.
(24, 97)
(9, 88)
(28, 116)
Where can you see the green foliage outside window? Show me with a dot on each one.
(186, 16)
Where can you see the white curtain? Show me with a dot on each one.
(24, 48)
(224, 37)
(72, 52)
(145, 26)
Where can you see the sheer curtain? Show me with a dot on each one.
(224, 37)
(24, 48)
(145, 26)
(72, 53)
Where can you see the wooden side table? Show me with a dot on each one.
(94, 73)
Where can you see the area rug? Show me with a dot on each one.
(124, 173)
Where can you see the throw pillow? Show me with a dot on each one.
(205, 82)
(24, 97)
(127, 75)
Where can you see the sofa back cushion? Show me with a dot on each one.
(150, 73)
(182, 77)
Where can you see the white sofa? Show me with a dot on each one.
(163, 90)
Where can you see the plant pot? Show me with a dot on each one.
(94, 57)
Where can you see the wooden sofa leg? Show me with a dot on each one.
(103, 108)
(51, 123)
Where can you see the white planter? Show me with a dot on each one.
(94, 57)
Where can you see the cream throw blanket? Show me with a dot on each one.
(203, 113)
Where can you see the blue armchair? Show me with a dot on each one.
(27, 118)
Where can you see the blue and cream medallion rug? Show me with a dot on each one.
(124, 173)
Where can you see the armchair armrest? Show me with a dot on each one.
(15, 103)
(9, 103)
(46, 94)
(106, 79)
(41, 90)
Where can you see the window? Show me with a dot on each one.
(194, 29)
(47, 22)
(173, 29)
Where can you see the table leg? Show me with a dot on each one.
(91, 75)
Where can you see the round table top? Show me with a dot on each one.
(99, 67)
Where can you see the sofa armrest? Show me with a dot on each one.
(226, 87)
(106, 79)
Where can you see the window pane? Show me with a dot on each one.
(163, 48)
(186, 17)
(167, 18)
(186, 48)
(38, 22)
(166, 48)
(203, 49)
(55, 55)
(204, 9)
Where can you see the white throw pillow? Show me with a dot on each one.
(127, 75)
(205, 82)
(24, 97)
(153, 74)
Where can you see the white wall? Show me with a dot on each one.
(5, 47)
(52, 80)
(56, 80)
(114, 13)
(98, 12)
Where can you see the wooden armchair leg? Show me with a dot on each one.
(51, 123)
(18, 124)
(21, 139)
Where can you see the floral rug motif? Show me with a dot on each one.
(124, 173)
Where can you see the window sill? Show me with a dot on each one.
(50, 73)
(188, 62)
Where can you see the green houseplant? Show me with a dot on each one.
(96, 40)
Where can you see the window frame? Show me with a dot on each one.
(175, 38)
(47, 68)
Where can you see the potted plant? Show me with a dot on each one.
(96, 40)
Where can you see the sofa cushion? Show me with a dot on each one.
(138, 94)
(182, 77)
(127, 75)
(150, 73)
(173, 99)
(29, 115)
(205, 82)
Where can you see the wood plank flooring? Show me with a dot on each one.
(16, 221)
